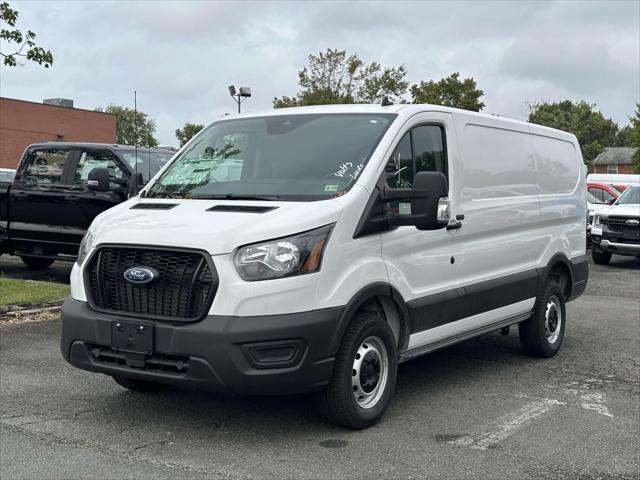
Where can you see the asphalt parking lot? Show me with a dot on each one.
(481, 409)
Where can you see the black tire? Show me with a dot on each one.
(337, 403)
(542, 334)
(600, 256)
(37, 263)
(138, 385)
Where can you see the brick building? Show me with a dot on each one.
(614, 160)
(22, 123)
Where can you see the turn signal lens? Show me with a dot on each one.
(312, 263)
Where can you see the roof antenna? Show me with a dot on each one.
(386, 102)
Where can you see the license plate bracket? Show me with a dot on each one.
(132, 337)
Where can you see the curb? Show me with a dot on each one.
(16, 310)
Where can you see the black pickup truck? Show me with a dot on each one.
(59, 188)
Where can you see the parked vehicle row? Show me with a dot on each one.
(616, 228)
(603, 190)
(59, 188)
(315, 248)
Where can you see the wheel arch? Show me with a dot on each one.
(383, 298)
(560, 268)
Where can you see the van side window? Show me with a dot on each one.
(428, 149)
(44, 167)
(90, 160)
(420, 150)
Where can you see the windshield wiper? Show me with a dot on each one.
(233, 196)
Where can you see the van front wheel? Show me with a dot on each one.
(364, 374)
(542, 334)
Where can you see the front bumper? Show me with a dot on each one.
(251, 355)
(632, 249)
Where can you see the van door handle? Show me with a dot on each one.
(72, 198)
(456, 225)
(20, 195)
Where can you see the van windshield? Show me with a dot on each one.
(291, 157)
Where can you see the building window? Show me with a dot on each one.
(612, 168)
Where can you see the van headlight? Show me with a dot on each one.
(85, 246)
(283, 257)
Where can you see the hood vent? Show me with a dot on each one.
(240, 208)
(154, 206)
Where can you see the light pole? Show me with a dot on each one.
(240, 95)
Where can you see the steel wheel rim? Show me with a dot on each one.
(553, 320)
(370, 372)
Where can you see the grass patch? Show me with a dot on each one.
(18, 292)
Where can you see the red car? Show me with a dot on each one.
(603, 191)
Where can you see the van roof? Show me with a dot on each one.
(404, 109)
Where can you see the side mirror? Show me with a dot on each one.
(428, 189)
(98, 180)
(611, 201)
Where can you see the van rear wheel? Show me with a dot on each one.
(364, 374)
(543, 333)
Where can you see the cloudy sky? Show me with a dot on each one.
(180, 57)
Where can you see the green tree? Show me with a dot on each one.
(633, 137)
(623, 137)
(332, 77)
(132, 128)
(450, 92)
(592, 129)
(185, 133)
(19, 45)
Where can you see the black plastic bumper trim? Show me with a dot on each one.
(214, 345)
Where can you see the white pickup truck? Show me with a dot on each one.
(616, 229)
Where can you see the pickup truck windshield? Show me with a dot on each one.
(291, 157)
(631, 196)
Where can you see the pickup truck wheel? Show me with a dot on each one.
(364, 374)
(37, 263)
(138, 385)
(543, 333)
(600, 256)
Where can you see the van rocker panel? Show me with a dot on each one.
(218, 349)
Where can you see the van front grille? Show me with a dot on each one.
(183, 290)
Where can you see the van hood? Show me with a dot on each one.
(216, 226)
(627, 210)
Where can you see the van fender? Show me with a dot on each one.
(377, 290)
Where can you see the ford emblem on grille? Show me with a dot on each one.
(632, 222)
(140, 275)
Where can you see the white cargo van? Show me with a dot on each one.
(354, 238)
